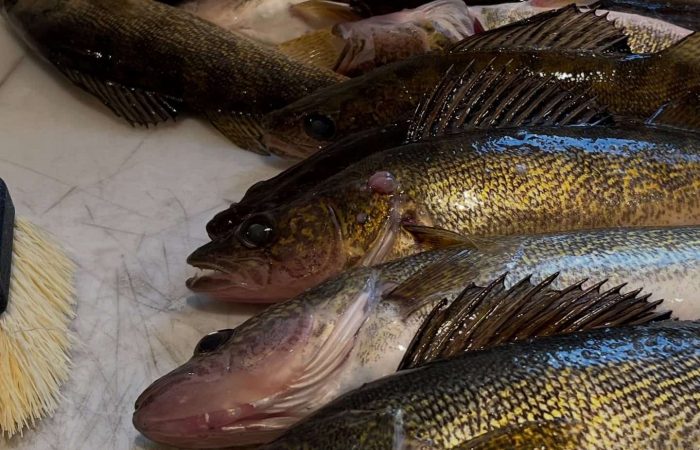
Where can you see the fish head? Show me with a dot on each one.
(247, 385)
(306, 175)
(273, 255)
(330, 114)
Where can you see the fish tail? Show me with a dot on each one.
(321, 48)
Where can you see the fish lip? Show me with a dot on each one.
(186, 432)
(216, 280)
(225, 285)
(207, 265)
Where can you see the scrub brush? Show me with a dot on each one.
(36, 306)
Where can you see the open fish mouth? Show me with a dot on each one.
(247, 283)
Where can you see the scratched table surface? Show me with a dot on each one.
(129, 205)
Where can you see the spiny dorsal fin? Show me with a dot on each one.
(501, 97)
(482, 317)
(567, 29)
(136, 106)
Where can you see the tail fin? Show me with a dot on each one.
(320, 48)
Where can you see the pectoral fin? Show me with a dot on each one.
(456, 270)
(136, 106)
(242, 129)
(435, 238)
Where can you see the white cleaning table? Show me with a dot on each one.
(129, 204)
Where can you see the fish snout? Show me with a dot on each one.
(158, 387)
(224, 222)
(209, 255)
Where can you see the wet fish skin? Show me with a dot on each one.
(618, 255)
(665, 262)
(633, 87)
(152, 47)
(625, 388)
(478, 184)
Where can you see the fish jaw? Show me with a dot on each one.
(192, 409)
(278, 367)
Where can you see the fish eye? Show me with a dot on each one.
(213, 341)
(256, 231)
(319, 126)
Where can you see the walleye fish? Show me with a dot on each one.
(247, 385)
(271, 21)
(481, 183)
(639, 88)
(353, 48)
(146, 61)
(625, 388)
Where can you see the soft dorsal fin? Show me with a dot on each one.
(501, 97)
(567, 29)
(482, 317)
(136, 106)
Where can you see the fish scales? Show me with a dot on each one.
(506, 183)
(625, 388)
(658, 255)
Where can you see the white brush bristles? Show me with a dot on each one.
(34, 336)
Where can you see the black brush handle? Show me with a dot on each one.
(7, 226)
